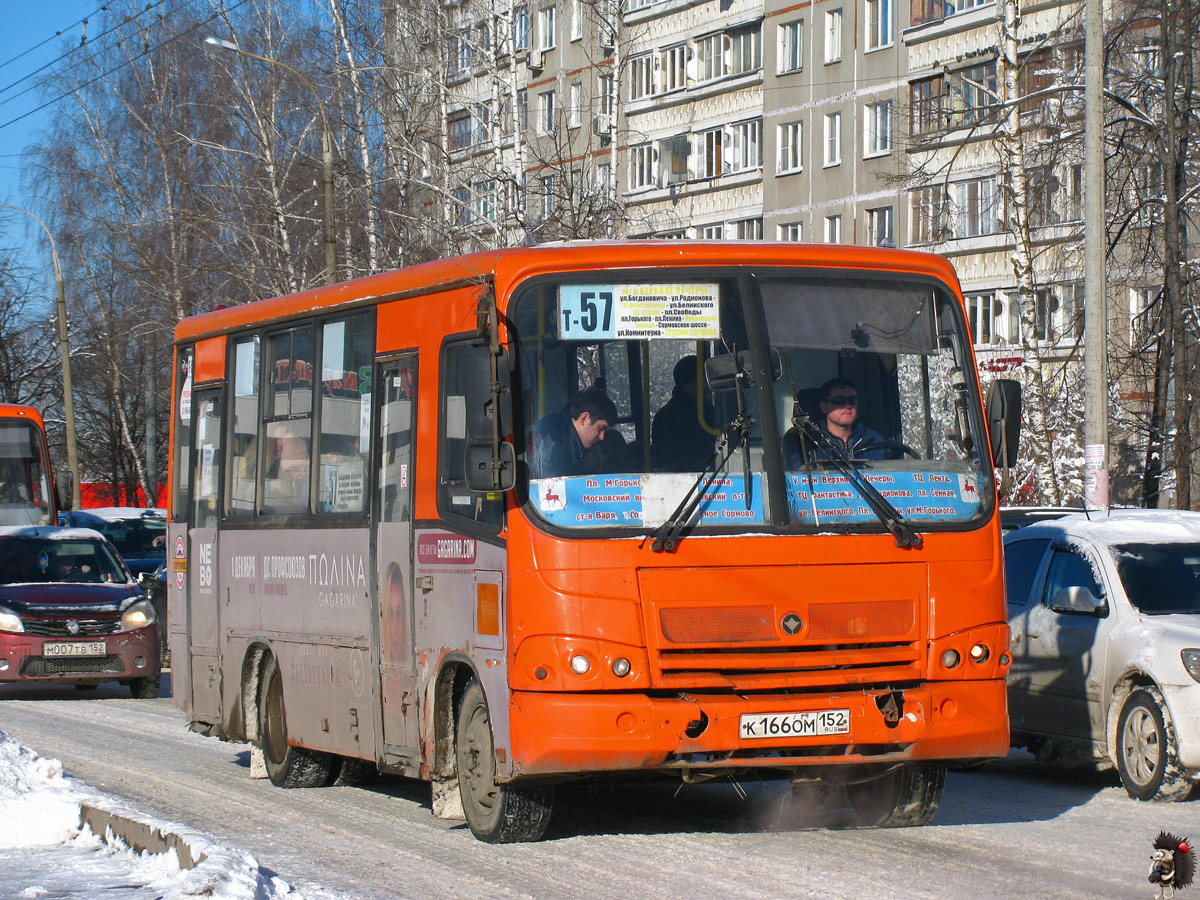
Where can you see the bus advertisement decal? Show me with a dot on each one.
(935, 496)
(591, 500)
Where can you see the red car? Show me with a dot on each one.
(71, 612)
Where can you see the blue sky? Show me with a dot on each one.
(28, 41)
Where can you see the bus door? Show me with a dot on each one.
(392, 539)
(204, 609)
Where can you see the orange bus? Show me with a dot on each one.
(445, 522)
(27, 491)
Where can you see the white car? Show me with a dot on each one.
(1105, 618)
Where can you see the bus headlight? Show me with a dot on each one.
(580, 664)
(10, 621)
(980, 653)
(138, 615)
(950, 659)
(620, 667)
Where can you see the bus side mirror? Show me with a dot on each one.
(1004, 420)
(64, 484)
(487, 473)
(503, 395)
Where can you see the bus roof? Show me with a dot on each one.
(516, 263)
(19, 411)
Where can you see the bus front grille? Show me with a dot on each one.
(769, 668)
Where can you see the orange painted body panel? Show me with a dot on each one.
(20, 411)
(210, 360)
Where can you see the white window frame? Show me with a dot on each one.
(546, 27)
(549, 195)
(642, 160)
(710, 148)
(881, 226)
(713, 51)
(714, 231)
(790, 145)
(673, 68)
(748, 229)
(976, 206)
(791, 47)
(641, 76)
(833, 139)
(575, 104)
(833, 229)
(1141, 300)
(833, 35)
(983, 310)
(577, 15)
(879, 24)
(523, 110)
(791, 231)
(744, 153)
(745, 50)
(604, 91)
(877, 129)
(520, 28)
(546, 112)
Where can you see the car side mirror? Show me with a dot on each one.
(145, 581)
(486, 473)
(1080, 601)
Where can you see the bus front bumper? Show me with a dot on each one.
(562, 733)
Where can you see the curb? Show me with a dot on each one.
(138, 836)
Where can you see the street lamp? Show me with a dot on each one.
(65, 351)
(326, 151)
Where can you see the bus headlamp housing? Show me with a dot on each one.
(10, 621)
(547, 662)
(137, 615)
(986, 649)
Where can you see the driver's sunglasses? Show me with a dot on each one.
(842, 400)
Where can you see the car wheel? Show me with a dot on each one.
(145, 688)
(287, 766)
(497, 813)
(905, 797)
(1147, 756)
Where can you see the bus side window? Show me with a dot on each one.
(466, 394)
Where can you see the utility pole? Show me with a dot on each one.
(1095, 290)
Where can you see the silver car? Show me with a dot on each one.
(1105, 618)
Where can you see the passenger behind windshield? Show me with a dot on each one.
(561, 439)
(679, 442)
(841, 425)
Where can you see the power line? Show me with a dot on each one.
(52, 37)
(122, 65)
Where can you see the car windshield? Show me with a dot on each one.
(24, 488)
(873, 372)
(1160, 578)
(134, 537)
(76, 560)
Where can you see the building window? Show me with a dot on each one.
(604, 90)
(712, 56)
(483, 123)
(748, 229)
(790, 141)
(791, 47)
(879, 24)
(713, 232)
(930, 216)
(458, 130)
(460, 52)
(673, 156)
(791, 231)
(974, 94)
(1143, 315)
(712, 162)
(833, 229)
(546, 112)
(575, 106)
(523, 110)
(549, 190)
(877, 128)
(982, 311)
(520, 28)
(673, 62)
(1058, 312)
(641, 167)
(641, 76)
(545, 28)
(833, 35)
(833, 138)
(879, 227)
(977, 207)
(485, 200)
(746, 50)
(747, 146)
(925, 101)
(576, 20)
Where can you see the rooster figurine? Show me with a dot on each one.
(1172, 865)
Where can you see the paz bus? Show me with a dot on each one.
(372, 568)
(27, 489)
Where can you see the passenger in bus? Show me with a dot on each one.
(840, 423)
(561, 439)
(12, 490)
(679, 442)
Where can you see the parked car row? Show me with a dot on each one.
(1105, 618)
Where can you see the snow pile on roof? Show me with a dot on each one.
(39, 811)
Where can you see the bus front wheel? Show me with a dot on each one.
(497, 813)
(287, 766)
(906, 796)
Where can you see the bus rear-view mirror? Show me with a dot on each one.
(1004, 420)
(721, 371)
(487, 472)
(64, 484)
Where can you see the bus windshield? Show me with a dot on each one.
(848, 385)
(24, 486)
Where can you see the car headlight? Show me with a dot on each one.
(1191, 662)
(10, 621)
(137, 615)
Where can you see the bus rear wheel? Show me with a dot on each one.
(287, 766)
(905, 797)
(497, 813)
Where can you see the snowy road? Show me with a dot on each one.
(1009, 830)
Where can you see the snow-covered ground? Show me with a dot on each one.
(45, 853)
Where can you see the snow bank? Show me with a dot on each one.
(40, 810)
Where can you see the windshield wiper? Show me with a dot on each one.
(667, 535)
(905, 535)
